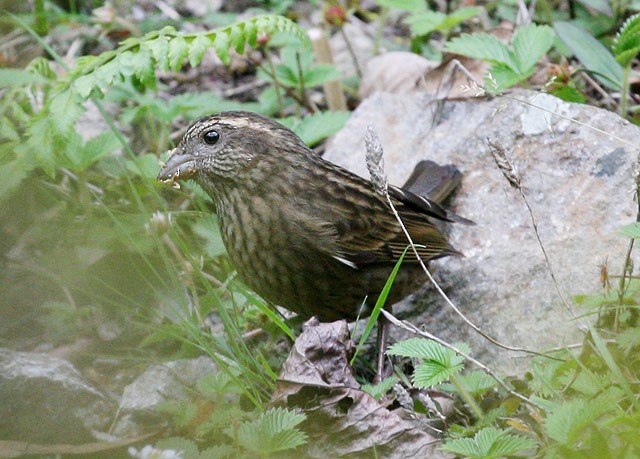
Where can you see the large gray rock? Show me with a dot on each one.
(579, 182)
(44, 399)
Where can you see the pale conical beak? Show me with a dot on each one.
(180, 166)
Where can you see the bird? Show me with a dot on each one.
(302, 232)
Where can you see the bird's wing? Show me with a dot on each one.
(367, 233)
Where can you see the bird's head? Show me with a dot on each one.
(224, 146)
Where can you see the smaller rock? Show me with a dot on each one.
(44, 399)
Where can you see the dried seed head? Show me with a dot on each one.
(375, 160)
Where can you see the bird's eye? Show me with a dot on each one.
(211, 137)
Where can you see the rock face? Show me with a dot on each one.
(578, 181)
(44, 399)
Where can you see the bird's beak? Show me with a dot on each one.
(180, 166)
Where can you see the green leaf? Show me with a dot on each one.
(421, 348)
(377, 391)
(145, 166)
(475, 382)
(18, 77)
(530, 43)
(433, 372)
(626, 45)
(425, 23)
(12, 173)
(178, 51)
(314, 128)
(593, 55)
(484, 47)
(631, 230)
(65, 108)
(320, 74)
(489, 443)
(159, 49)
(275, 430)
(97, 148)
(197, 49)
(503, 77)
(222, 46)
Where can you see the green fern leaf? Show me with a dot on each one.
(221, 45)
(197, 48)
(178, 51)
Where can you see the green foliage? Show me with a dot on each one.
(626, 45)
(313, 128)
(379, 390)
(440, 363)
(510, 65)
(591, 53)
(275, 430)
(489, 443)
(423, 23)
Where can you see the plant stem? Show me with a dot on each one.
(467, 397)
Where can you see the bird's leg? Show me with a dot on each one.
(381, 344)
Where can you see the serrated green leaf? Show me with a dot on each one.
(145, 166)
(379, 390)
(42, 144)
(275, 430)
(489, 443)
(222, 46)
(475, 382)
(65, 107)
(12, 173)
(530, 43)
(591, 53)
(320, 74)
(501, 77)
(626, 46)
(84, 85)
(143, 70)
(433, 372)
(251, 33)
(422, 348)
(425, 23)
(237, 39)
(484, 47)
(159, 49)
(197, 49)
(96, 148)
(178, 51)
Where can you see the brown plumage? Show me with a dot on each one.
(302, 232)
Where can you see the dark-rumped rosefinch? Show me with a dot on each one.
(302, 232)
